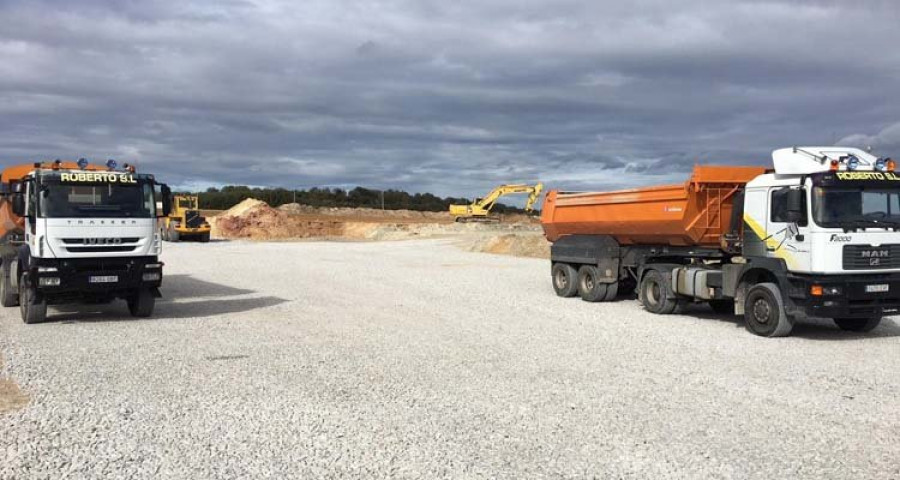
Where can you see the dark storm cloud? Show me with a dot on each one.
(451, 97)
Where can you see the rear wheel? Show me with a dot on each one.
(8, 295)
(589, 286)
(204, 237)
(564, 279)
(764, 311)
(32, 304)
(654, 293)
(857, 324)
(141, 303)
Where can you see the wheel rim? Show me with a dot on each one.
(762, 311)
(588, 283)
(561, 280)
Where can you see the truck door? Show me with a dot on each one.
(788, 240)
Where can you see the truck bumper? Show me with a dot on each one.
(94, 279)
(857, 296)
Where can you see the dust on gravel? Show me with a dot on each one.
(11, 396)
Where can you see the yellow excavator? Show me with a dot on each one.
(480, 209)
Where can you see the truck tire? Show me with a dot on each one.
(857, 324)
(32, 304)
(612, 291)
(8, 296)
(764, 312)
(174, 236)
(565, 280)
(722, 307)
(141, 303)
(590, 289)
(204, 238)
(654, 294)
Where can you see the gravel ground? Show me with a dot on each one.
(418, 360)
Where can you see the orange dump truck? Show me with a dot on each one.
(813, 237)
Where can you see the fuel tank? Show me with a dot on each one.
(696, 212)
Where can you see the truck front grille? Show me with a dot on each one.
(116, 248)
(100, 245)
(868, 257)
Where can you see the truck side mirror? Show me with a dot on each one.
(794, 211)
(166, 193)
(18, 204)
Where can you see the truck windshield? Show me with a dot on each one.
(838, 207)
(61, 200)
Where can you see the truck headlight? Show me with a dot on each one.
(152, 276)
(48, 281)
(819, 290)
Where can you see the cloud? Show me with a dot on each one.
(449, 97)
(886, 142)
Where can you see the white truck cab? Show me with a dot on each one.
(81, 235)
(829, 219)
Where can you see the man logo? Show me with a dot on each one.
(875, 253)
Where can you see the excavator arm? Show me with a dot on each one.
(481, 208)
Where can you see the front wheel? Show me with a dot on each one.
(857, 324)
(141, 303)
(764, 312)
(32, 304)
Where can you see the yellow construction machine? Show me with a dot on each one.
(480, 209)
(184, 221)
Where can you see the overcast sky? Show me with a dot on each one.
(451, 97)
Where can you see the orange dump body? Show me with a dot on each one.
(694, 213)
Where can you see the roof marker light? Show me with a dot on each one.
(852, 162)
(890, 164)
(834, 165)
(880, 164)
(82, 163)
(111, 164)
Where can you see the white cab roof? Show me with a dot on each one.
(806, 160)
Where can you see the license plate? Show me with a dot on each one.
(104, 279)
(883, 287)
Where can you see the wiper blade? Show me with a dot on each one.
(105, 208)
(854, 225)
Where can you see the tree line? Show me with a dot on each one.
(359, 197)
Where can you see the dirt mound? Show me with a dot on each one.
(244, 207)
(256, 220)
(373, 214)
(251, 219)
(517, 244)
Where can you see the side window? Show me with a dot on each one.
(779, 207)
(30, 197)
